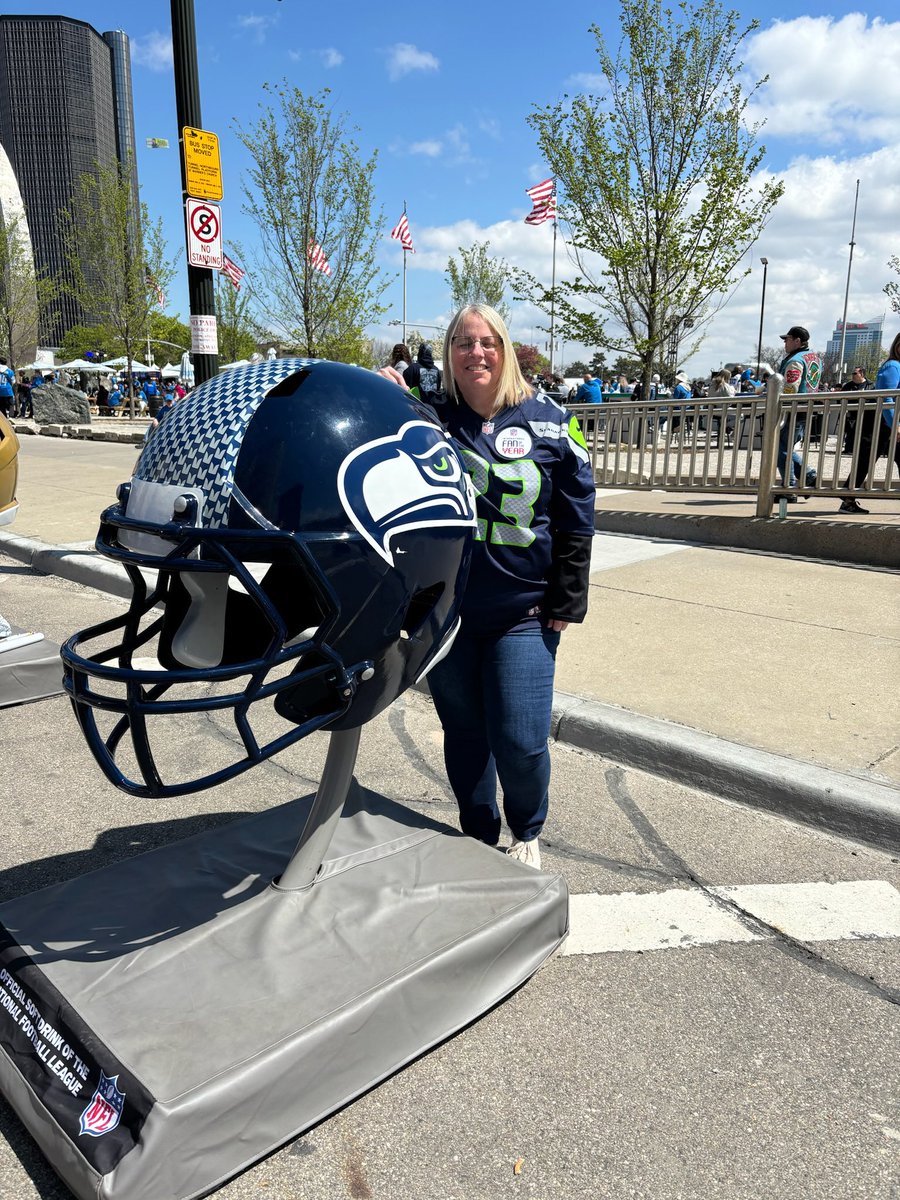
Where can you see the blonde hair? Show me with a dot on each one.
(512, 387)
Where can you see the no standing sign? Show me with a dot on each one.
(204, 234)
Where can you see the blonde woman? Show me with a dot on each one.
(529, 579)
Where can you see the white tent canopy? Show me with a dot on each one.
(170, 371)
(121, 364)
(80, 364)
(241, 362)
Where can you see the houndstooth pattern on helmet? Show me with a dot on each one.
(198, 444)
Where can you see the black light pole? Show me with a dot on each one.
(762, 312)
(187, 105)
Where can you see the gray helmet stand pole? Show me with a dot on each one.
(325, 813)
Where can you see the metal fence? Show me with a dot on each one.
(731, 444)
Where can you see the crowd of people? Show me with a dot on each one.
(109, 392)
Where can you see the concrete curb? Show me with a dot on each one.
(853, 542)
(80, 566)
(850, 805)
(830, 800)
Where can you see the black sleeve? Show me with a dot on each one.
(566, 598)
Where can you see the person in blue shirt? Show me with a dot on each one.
(680, 391)
(888, 377)
(7, 388)
(590, 392)
(535, 494)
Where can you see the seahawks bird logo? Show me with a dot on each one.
(410, 480)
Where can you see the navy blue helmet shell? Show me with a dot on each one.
(309, 525)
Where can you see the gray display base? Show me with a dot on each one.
(29, 673)
(230, 1015)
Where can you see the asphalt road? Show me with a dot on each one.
(726, 1070)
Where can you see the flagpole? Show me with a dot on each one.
(847, 292)
(404, 284)
(553, 293)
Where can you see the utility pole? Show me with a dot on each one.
(847, 289)
(201, 297)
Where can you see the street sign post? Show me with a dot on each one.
(202, 165)
(204, 234)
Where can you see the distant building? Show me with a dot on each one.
(65, 103)
(860, 335)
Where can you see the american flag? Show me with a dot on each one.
(160, 294)
(543, 198)
(402, 234)
(233, 271)
(316, 256)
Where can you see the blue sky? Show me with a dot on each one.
(445, 99)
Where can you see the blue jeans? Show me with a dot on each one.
(796, 460)
(494, 695)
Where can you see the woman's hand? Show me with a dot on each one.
(392, 374)
(557, 626)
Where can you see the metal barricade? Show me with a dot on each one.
(730, 444)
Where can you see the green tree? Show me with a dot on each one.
(117, 263)
(25, 293)
(630, 367)
(90, 341)
(478, 278)
(309, 185)
(238, 332)
(169, 338)
(657, 178)
(892, 289)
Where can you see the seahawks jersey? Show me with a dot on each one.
(533, 480)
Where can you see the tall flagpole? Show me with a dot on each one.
(847, 292)
(404, 284)
(553, 288)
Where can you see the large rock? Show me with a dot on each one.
(58, 405)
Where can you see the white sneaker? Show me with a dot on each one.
(528, 853)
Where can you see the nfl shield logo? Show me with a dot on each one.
(105, 1108)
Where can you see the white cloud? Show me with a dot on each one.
(587, 81)
(331, 57)
(489, 126)
(404, 58)
(826, 79)
(256, 25)
(807, 245)
(430, 149)
(153, 51)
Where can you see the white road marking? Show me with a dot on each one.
(685, 917)
(611, 550)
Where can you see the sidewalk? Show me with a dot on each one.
(768, 679)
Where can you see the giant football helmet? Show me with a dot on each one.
(308, 528)
(9, 472)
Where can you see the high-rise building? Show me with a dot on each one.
(859, 335)
(65, 104)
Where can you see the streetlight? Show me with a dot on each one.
(762, 311)
(416, 324)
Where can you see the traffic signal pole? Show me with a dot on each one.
(201, 296)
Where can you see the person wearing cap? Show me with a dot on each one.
(802, 371)
(680, 391)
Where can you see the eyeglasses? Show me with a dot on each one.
(466, 343)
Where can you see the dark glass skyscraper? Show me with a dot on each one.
(65, 103)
